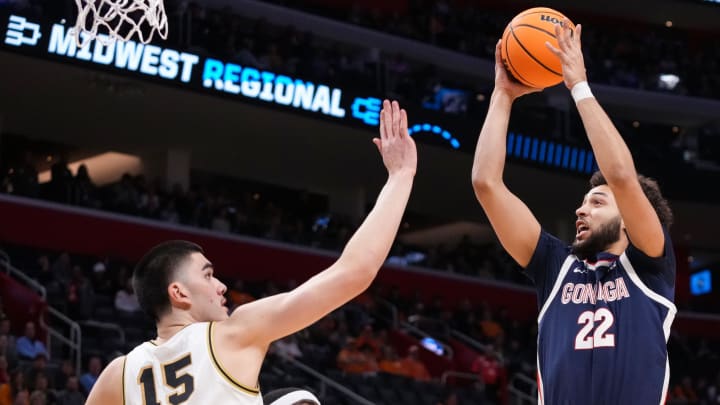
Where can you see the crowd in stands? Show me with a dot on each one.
(619, 54)
(356, 344)
(229, 205)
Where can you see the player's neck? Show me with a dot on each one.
(618, 248)
(171, 324)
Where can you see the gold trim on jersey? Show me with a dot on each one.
(123, 379)
(163, 365)
(141, 384)
(221, 370)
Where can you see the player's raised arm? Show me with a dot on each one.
(613, 156)
(269, 319)
(514, 224)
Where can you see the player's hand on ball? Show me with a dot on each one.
(395, 144)
(570, 53)
(504, 83)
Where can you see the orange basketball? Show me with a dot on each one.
(523, 48)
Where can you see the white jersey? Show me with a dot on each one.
(183, 370)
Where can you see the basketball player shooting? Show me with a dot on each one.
(606, 301)
(203, 356)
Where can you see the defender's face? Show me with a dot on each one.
(598, 223)
(205, 292)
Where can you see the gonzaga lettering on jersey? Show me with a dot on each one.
(182, 370)
(603, 326)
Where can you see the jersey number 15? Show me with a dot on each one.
(184, 383)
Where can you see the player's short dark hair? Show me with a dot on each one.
(652, 192)
(155, 271)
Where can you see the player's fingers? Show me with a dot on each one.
(559, 36)
(403, 123)
(387, 111)
(382, 124)
(378, 143)
(395, 119)
(553, 49)
(498, 54)
(578, 32)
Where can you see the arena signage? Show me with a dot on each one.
(190, 69)
(55, 41)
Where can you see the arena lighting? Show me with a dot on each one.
(550, 153)
(668, 81)
(434, 129)
(106, 167)
(701, 282)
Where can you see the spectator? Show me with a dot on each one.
(38, 398)
(4, 375)
(287, 347)
(88, 379)
(490, 328)
(71, 395)
(83, 189)
(80, 295)
(9, 393)
(414, 368)
(36, 368)
(391, 362)
(64, 373)
(238, 295)
(8, 351)
(5, 326)
(126, 301)
(354, 361)
(24, 178)
(28, 346)
(490, 371)
(42, 387)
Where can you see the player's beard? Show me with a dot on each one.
(599, 240)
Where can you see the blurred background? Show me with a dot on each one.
(249, 132)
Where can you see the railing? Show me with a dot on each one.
(74, 341)
(391, 308)
(460, 375)
(476, 345)
(523, 390)
(106, 326)
(448, 351)
(327, 382)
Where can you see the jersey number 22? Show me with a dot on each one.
(590, 336)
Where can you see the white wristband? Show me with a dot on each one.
(581, 91)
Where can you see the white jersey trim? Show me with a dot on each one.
(556, 287)
(541, 388)
(672, 310)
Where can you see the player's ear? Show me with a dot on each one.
(179, 295)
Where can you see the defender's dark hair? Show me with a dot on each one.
(155, 271)
(652, 192)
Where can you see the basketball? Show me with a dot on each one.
(523, 47)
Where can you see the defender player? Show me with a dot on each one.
(606, 302)
(203, 356)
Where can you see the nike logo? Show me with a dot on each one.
(579, 270)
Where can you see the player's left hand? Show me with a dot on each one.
(570, 53)
(395, 144)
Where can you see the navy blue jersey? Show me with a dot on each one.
(603, 326)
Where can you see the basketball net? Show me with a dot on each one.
(111, 20)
